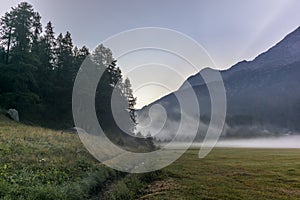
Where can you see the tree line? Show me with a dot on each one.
(38, 69)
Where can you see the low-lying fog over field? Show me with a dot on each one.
(280, 142)
(271, 142)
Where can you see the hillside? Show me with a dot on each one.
(39, 163)
(263, 95)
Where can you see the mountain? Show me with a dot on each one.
(263, 95)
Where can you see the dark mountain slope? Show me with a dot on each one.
(263, 95)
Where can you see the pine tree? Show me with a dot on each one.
(49, 44)
(20, 29)
(26, 27)
(79, 56)
(102, 56)
(130, 98)
(6, 31)
(63, 78)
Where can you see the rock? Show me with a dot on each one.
(13, 114)
(70, 130)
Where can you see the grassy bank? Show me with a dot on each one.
(39, 163)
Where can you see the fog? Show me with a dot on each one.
(273, 142)
(283, 142)
(156, 122)
(270, 142)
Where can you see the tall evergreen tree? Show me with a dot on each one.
(26, 27)
(79, 56)
(6, 31)
(50, 44)
(102, 56)
(19, 30)
(36, 38)
(127, 90)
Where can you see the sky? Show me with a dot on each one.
(229, 30)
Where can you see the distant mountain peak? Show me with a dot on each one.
(197, 79)
(285, 52)
(262, 94)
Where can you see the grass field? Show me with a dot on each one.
(42, 164)
(232, 174)
(38, 163)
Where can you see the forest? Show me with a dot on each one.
(38, 69)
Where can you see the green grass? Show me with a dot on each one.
(232, 174)
(38, 163)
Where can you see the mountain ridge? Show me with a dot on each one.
(262, 95)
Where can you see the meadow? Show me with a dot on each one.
(232, 173)
(39, 163)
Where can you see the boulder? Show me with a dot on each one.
(13, 114)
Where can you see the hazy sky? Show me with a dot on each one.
(230, 30)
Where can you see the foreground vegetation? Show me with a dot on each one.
(38, 163)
